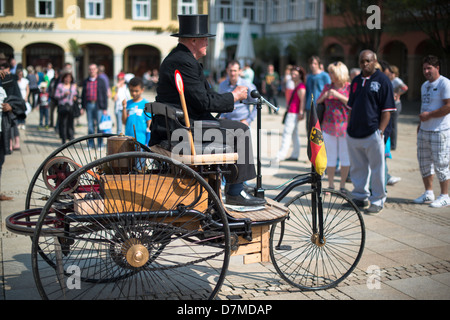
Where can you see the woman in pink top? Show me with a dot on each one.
(66, 94)
(295, 108)
(335, 119)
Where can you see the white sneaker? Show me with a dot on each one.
(393, 180)
(425, 198)
(441, 201)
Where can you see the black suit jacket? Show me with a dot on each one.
(201, 99)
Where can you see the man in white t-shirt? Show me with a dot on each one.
(433, 139)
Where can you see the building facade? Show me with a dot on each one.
(277, 19)
(134, 35)
(404, 49)
(129, 35)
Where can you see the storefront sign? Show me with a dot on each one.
(27, 25)
(157, 29)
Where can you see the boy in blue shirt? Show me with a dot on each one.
(133, 117)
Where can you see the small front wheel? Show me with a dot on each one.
(308, 262)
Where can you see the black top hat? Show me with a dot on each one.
(193, 26)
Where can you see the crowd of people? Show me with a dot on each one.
(359, 120)
(60, 103)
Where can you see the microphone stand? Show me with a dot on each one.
(259, 191)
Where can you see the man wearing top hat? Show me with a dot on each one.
(201, 100)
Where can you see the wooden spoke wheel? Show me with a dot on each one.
(132, 234)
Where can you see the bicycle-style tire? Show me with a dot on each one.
(145, 227)
(298, 255)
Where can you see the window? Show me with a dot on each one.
(141, 9)
(45, 8)
(2, 8)
(294, 12)
(277, 11)
(225, 10)
(187, 6)
(249, 10)
(95, 9)
(311, 8)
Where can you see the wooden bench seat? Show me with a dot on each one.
(198, 159)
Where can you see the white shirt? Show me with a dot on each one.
(122, 94)
(289, 82)
(433, 94)
(50, 74)
(23, 83)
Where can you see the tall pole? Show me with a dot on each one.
(259, 192)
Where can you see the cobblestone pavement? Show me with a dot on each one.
(407, 252)
(359, 278)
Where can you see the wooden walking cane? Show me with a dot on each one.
(180, 87)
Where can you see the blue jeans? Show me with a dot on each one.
(94, 115)
(43, 116)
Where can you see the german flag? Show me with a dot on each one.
(316, 146)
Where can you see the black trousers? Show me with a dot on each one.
(2, 153)
(233, 134)
(237, 135)
(66, 125)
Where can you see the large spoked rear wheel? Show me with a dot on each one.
(138, 226)
(297, 252)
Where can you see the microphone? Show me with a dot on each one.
(256, 95)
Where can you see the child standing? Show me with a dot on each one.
(43, 101)
(133, 117)
(120, 93)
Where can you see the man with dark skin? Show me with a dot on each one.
(367, 63)
(371, 101)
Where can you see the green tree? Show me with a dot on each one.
(305, 44)
(267, 48)
(355, 31)
(75, 48)
(431, 17)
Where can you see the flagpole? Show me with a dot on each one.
(316, 183)
(259, 191)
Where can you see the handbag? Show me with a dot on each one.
(76, 110)
(64, 108)
(105, 124)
